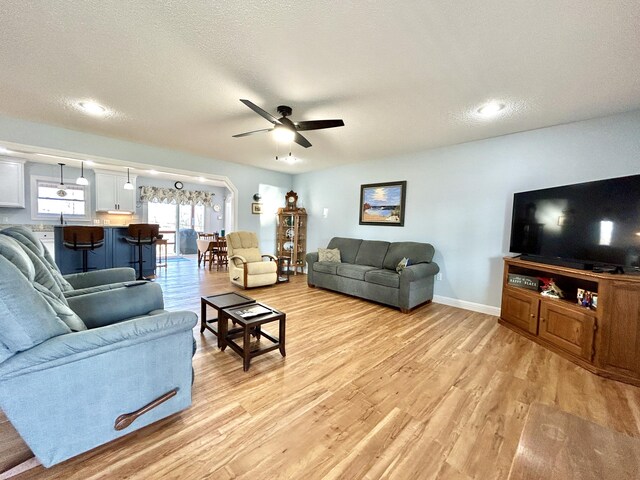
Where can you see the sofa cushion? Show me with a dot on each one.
(416, 252)
(251, 255)
(372, 252)
(26, 319)
(356, 272)
(329, 255)
(258, 268)
(326, 267)
(348, 248)
(61, 307)
(388, 278)
(36, 248)
(244, 244)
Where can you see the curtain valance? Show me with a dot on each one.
(179, 197)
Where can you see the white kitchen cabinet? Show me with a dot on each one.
(111, 195)
(12, 182)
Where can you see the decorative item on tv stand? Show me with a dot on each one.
(291, 233)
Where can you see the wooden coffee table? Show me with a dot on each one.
(248, 326)
(218, 302)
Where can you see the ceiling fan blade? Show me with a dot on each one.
(261, 112)
(245, 134)
(319, 124)
(300, 140)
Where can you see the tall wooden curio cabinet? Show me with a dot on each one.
(291, 237)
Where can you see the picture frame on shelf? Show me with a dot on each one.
(256, 208)
(383, 203)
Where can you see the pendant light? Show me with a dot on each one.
(62, 189)
(81, 180)
(128, 185)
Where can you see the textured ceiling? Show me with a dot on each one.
(404, 76)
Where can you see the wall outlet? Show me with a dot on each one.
(439, 276)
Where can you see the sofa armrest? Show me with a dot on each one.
(101, 288)
(238, 257)
(102, 308)
(418, 271)
(72, 347)
(311, 258)
(101, 277)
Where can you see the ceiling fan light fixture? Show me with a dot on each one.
(491, 109)
(283, 134)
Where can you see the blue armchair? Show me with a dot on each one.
(79, 372)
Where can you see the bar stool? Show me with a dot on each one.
(161, 247)
(84, 239)
(139, 235)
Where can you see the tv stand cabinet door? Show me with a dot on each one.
(621, 329)
(571, 330)
(520, 309)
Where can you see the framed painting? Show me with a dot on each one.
(383, 203)
(256, 208)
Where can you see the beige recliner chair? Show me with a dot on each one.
(246, 266)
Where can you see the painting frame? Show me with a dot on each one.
(256, 208)
(388, 215)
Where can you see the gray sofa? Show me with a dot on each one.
(368, 270)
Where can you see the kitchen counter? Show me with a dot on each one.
(115, 252)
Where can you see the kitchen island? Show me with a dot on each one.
(115, 252)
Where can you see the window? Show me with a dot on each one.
(47, 204)
(198, 218)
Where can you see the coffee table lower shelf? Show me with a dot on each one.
(248, 327)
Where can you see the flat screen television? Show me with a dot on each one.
(586, 225)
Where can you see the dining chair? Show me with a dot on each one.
(205, 248)
(222, 259)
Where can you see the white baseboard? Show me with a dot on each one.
(475, 307)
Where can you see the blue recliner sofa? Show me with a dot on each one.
(78, 372)
(72, 284)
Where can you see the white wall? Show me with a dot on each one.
(459, 198)
(248, 180)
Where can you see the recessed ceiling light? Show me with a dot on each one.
(153, 172)
(5, 150)
(491, 109)
(89, 162)
(92, 108)
(202, 179)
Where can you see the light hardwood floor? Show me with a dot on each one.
(364, 392)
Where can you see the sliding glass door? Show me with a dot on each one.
(173, 218)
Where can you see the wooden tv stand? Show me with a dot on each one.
(605, 341)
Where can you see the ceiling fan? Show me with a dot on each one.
(286, 129)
